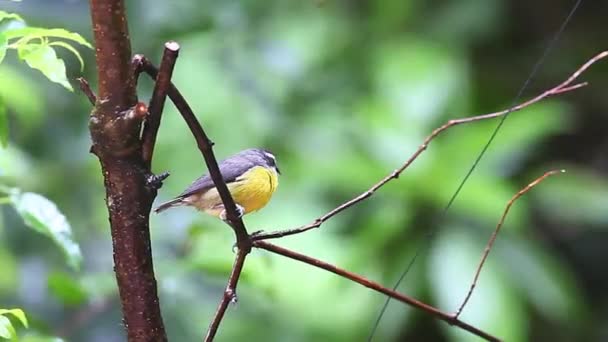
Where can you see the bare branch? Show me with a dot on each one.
(559, 89)
(229, 295)
(86, 89)
(206, 147)
(244, 243)
(157, 102)
(495, 234)
(450, 319)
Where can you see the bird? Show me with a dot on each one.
(251, 176)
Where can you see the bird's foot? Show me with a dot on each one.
(240, 211)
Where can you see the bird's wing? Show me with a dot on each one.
(230, 170)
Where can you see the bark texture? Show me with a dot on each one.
(115, 126)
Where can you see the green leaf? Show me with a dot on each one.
(6, 15)
(72, 50)
(6, 328)
(18, 313)
(44, 58)
(20, 32)
(3, 125)
(65, 34)
(42, 215)
(37, 32)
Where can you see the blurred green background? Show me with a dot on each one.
(343, 92)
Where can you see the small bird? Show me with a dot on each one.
(251, 176)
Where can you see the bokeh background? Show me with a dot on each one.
(343, 92)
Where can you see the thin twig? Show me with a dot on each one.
(244, 243)
(450, 319)
(559, 89)
(86, 89)
(486, 251)
(229, 294)
(206, 147)
(137, 66)
(157, 102)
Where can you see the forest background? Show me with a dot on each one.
(343, 93)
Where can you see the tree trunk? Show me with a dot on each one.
(115, 126)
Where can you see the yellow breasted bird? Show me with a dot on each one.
(251, 176)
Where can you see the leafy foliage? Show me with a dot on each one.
(43, 216)
(7, 330)
(34, 46)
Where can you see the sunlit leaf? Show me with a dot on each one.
(65, 34)
(72, 50)
(21, 32)
(6, 328)
(37, 32)
(6, 15)
(18, 313)
(42, 215)
(44, 58)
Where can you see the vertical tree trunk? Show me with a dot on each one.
(115, 126)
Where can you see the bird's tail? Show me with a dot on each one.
(172, 203)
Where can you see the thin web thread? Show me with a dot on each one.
(435, 227)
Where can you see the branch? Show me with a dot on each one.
(495, 233)
(86, 89)
(450, 319)
(243, 241)
(157, 102)
(115, 126)
(229, 294)
(205, 146)
(559, 89)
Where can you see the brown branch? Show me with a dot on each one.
(229, 294)
(206, 147)
(450, 319)
(86, 89)
(244, 243)
(115, 126)
(486, 251)
(559, 89)
(157, 102)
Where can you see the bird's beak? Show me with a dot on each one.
(277, 169)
